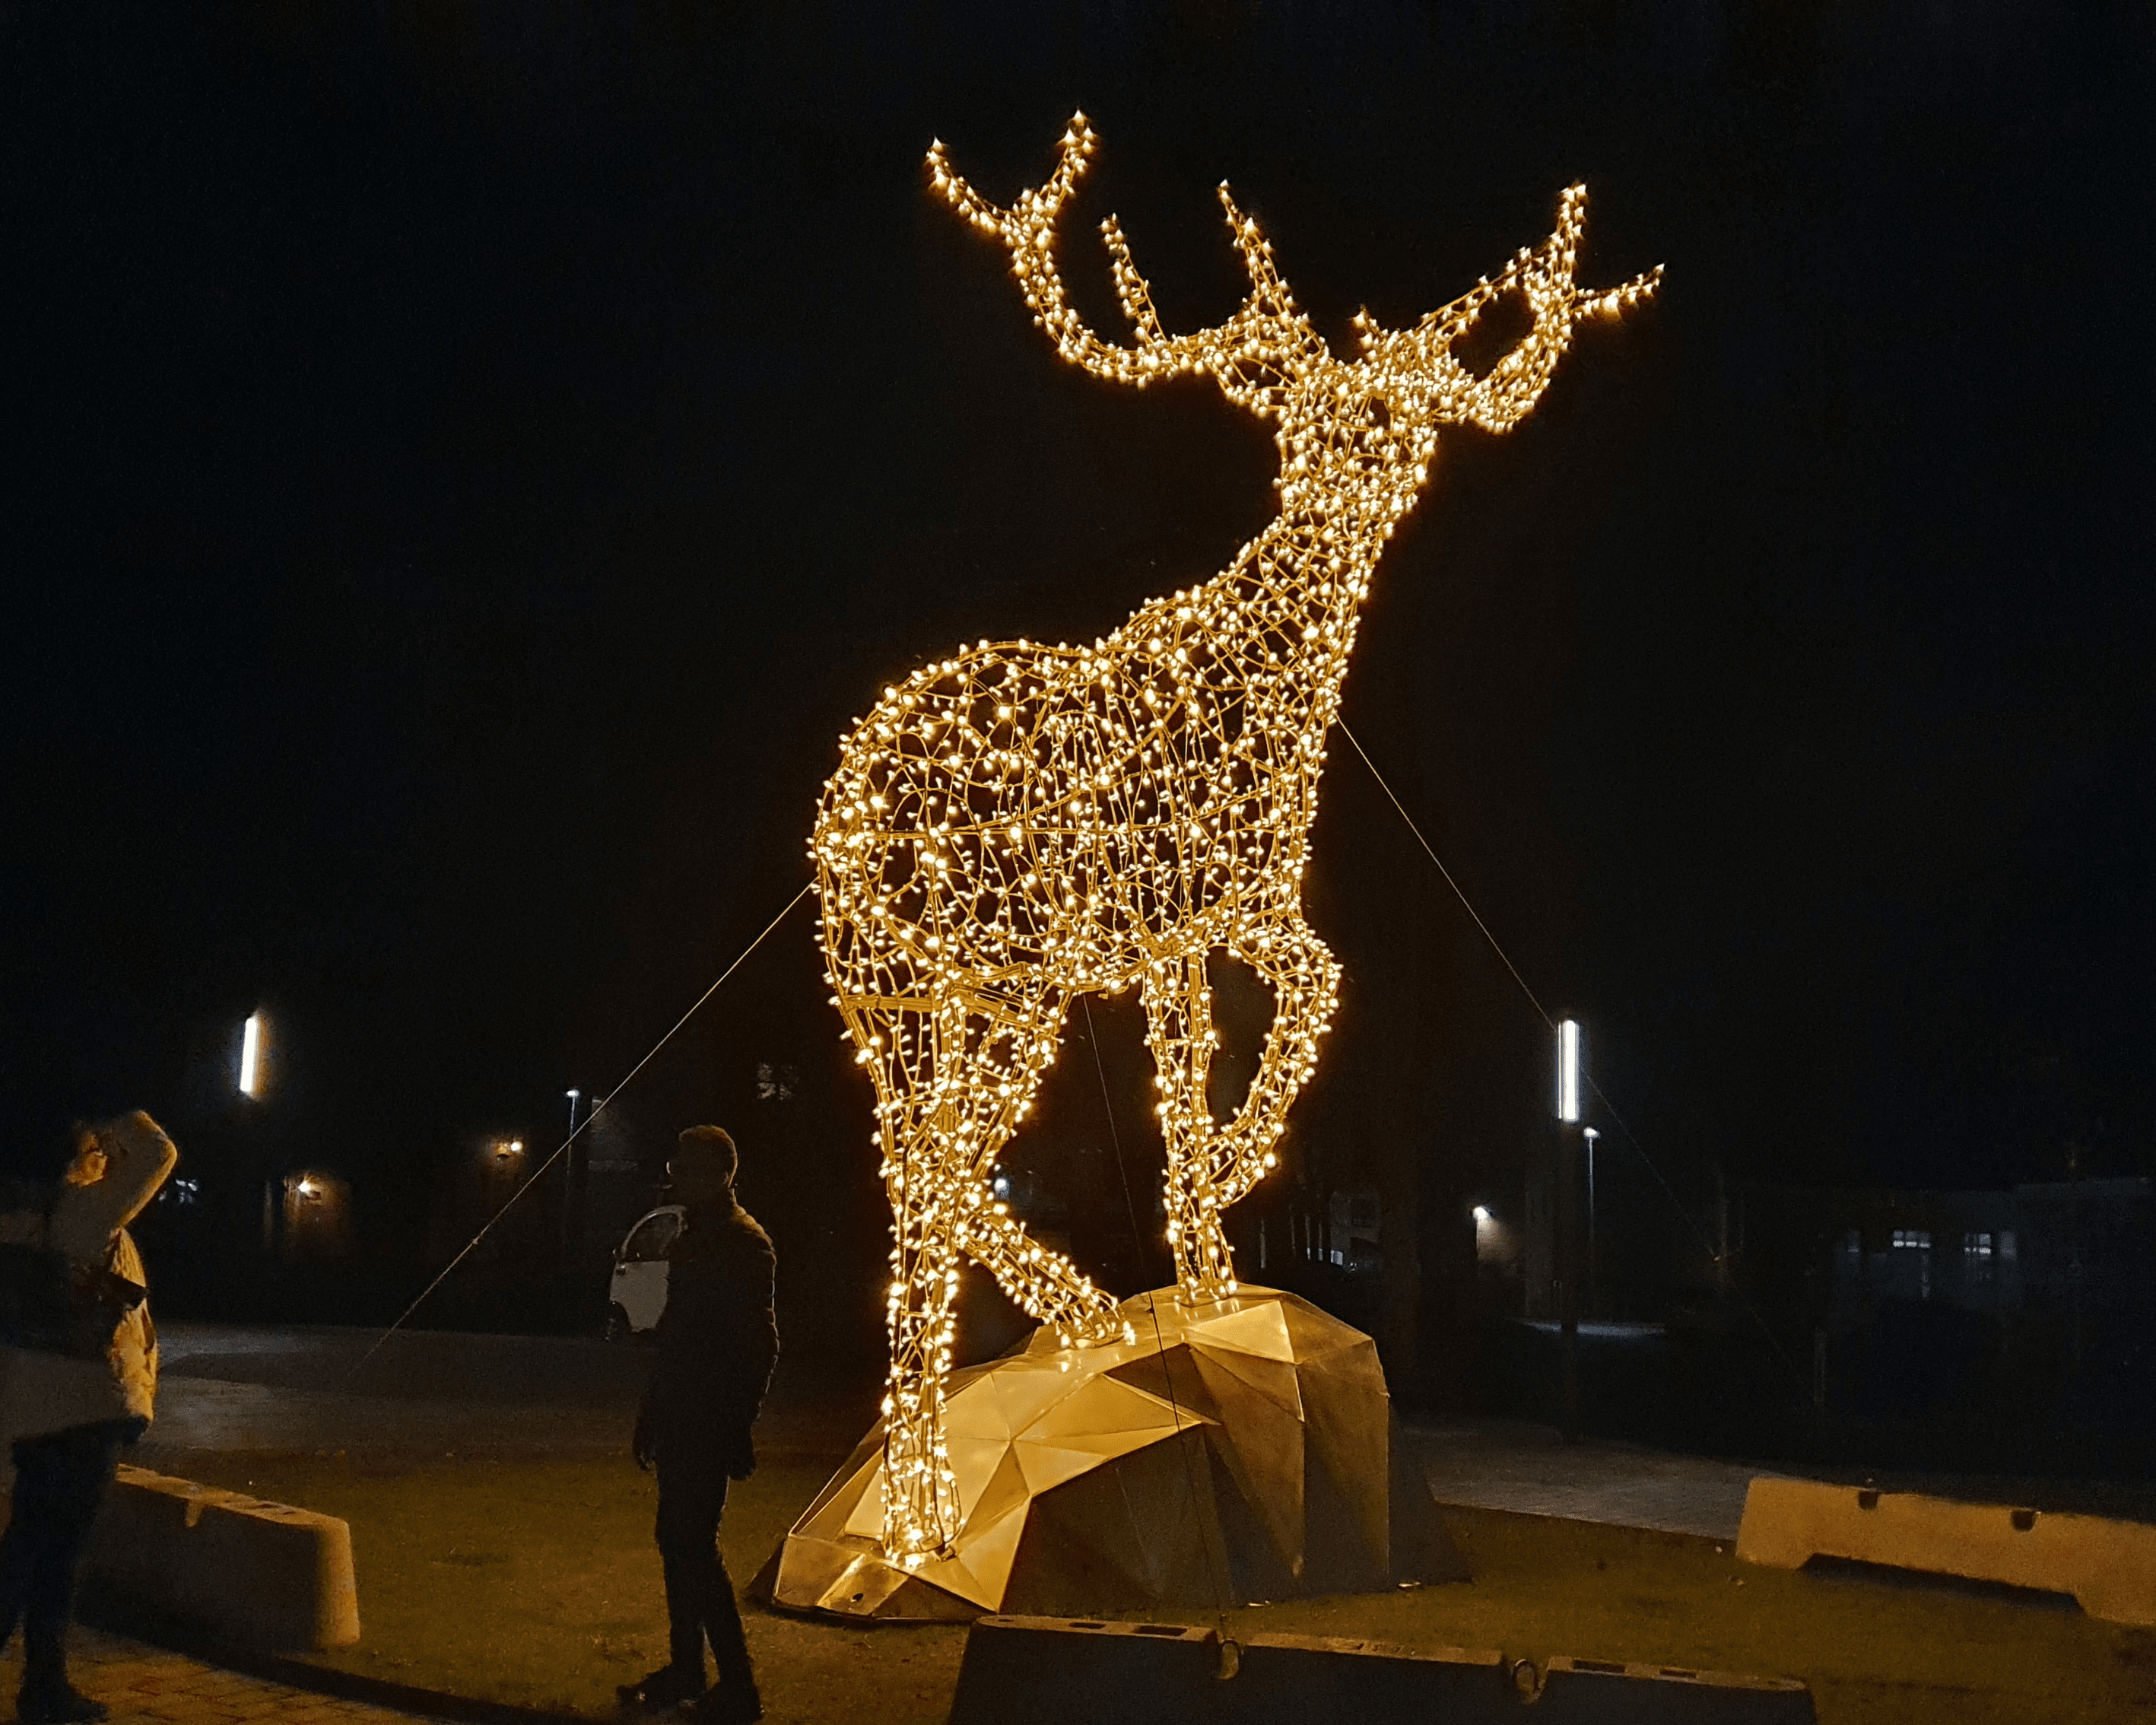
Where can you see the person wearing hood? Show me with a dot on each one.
(67, 1413)
(716, 1345)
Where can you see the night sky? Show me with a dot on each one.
(469, 465)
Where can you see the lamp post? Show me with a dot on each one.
(569, 1176)
(1569, 1143)
(1593, 1252)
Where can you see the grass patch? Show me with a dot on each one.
(536, 1582)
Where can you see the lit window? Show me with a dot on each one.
(1976, 1245)
(1919, 1239)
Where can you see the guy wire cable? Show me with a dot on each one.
(598, 1107)
(1160, 1346)
(1631, 1136)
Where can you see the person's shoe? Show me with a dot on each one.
(667, 1686)
(729, 1704)
(57, 1703)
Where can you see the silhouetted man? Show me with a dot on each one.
(717, 1341)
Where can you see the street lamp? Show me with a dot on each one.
(569, 1179)
(1568, 1222)
(1567, 1072)
(1593, 1259)
(250, 1056)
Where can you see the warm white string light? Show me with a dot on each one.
(1019, 824)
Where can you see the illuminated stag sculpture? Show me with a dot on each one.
(1019, 824)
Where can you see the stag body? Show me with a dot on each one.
(1021, 824)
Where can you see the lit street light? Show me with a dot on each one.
(1567, 1219)
(250, 1056)
(1567, 1072)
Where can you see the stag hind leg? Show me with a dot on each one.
(1211, 1165)
(953, 1079)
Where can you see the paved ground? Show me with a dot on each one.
(1510, 1464)
(427, 1393)
(148, 1686)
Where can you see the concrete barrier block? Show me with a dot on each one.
(1299, 1678)
(238, 1569)
(1058, 1671)
(2109, 1566)
(1061, 1670)
(1604, 1692)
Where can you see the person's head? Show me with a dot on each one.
(86, 1158)
(703, 1166)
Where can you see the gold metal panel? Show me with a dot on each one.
(837, 1505)
(1108, 1405)
(863, 1585)
(1295, 1452)
(1260, 1327)
(1046, 1467)
(1009, 1487)
(981, 1571)
(865, 1519)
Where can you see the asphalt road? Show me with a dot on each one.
(430, 1394)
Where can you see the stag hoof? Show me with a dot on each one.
(1102, 1328)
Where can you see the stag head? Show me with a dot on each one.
(1268, 359)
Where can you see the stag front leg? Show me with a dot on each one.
(1041, 1282)
(1210, 1166)
(921, 1513)
(1179, 1031)
(992, 1054)
(1305, 978)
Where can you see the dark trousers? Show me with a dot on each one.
(700, 1595)
(60, 1479)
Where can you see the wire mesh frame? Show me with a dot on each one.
(1019, 824)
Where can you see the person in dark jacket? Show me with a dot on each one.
(716, 1343)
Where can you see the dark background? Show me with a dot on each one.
(470, 464)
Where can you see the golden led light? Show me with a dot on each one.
(1019, 824)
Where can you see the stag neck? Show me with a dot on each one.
(1356, 467)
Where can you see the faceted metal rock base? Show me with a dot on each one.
(1240, 1451)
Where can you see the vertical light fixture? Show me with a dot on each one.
(1567, 1072)
(250, 1056)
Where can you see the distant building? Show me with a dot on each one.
(2085, 1246)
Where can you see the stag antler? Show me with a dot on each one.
(1544, 276)
(1267, 330)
